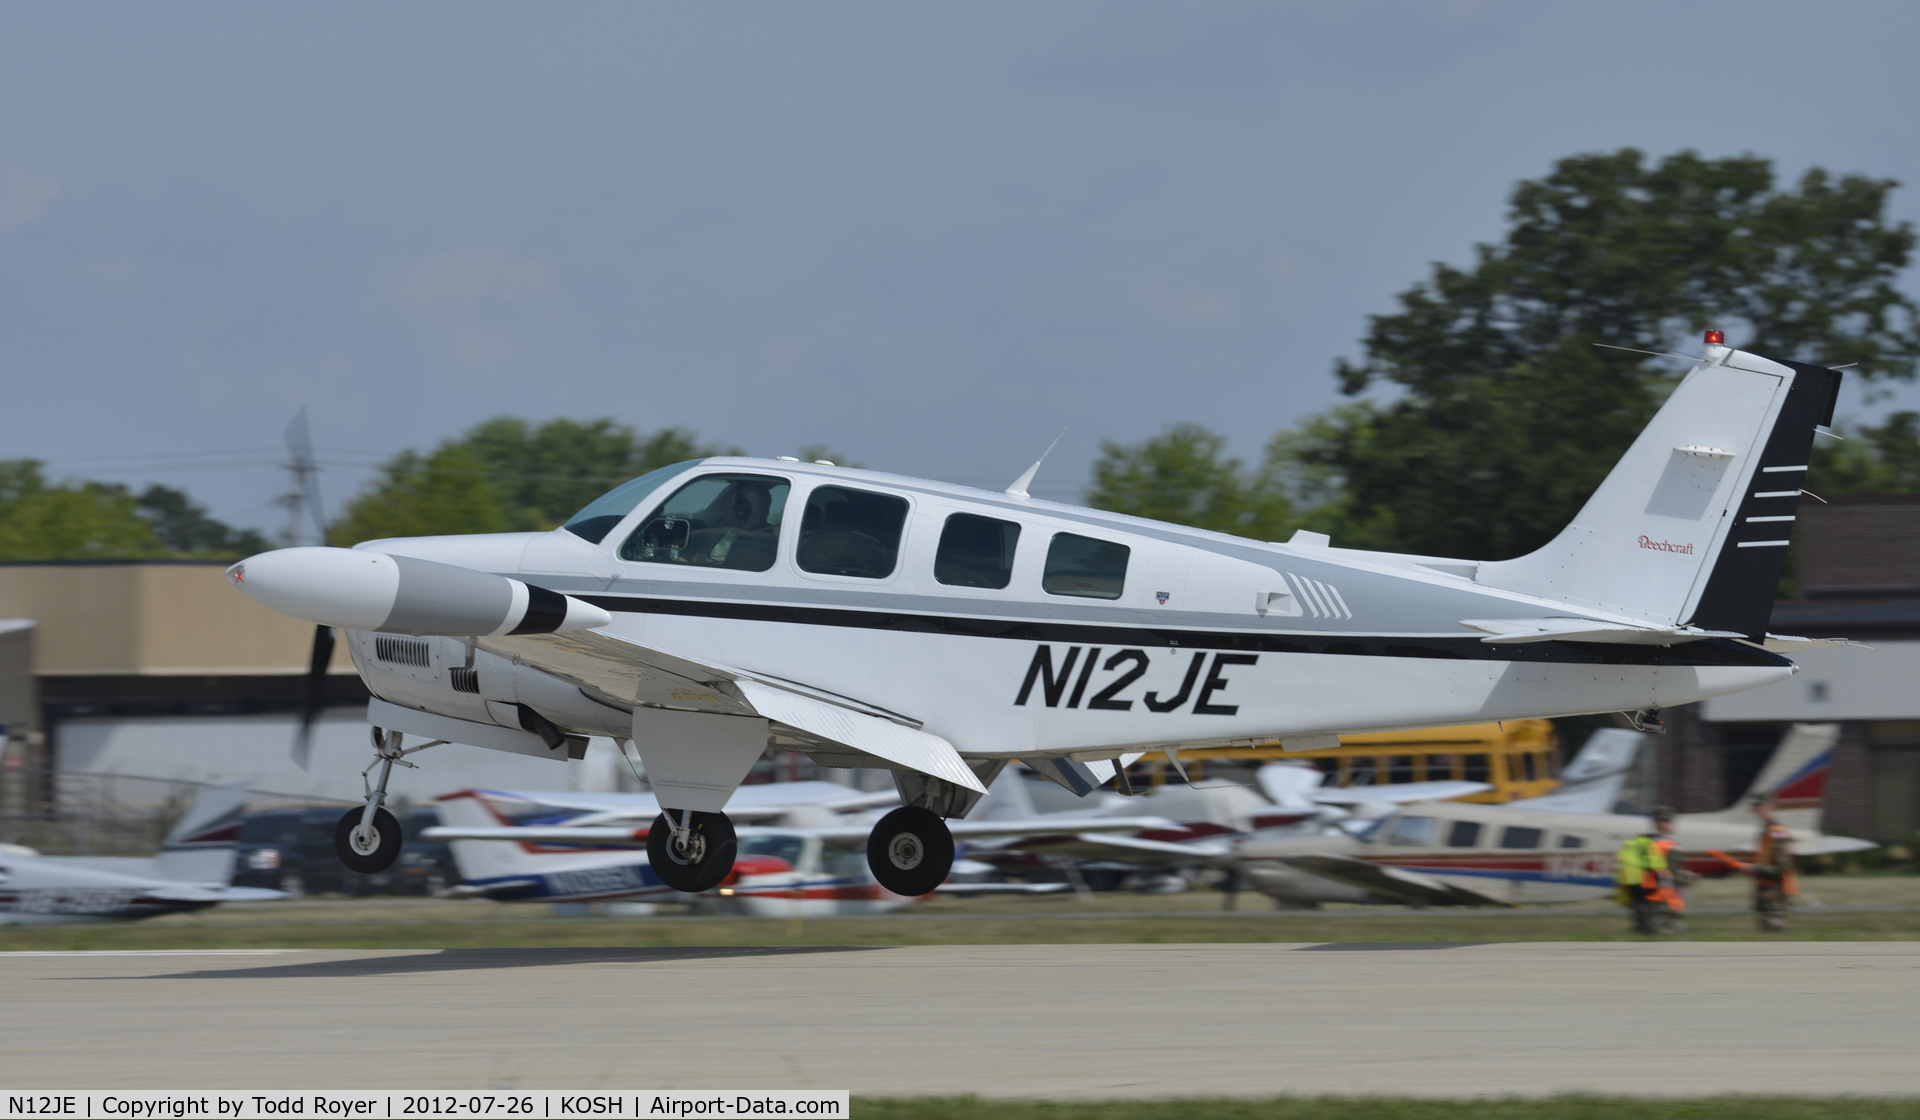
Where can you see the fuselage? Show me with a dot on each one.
(1107, 633)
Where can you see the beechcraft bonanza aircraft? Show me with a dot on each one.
(712, 607)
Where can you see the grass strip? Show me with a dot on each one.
(510, 932)
(1571, 1107)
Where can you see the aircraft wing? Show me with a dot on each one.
(1398, 793)
(1410, 888)
(1831, 846)
(607, 667)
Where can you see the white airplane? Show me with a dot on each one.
(712, 607)
(806, 857)
(1458, 854)
(192, 872)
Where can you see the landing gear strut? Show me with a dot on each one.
(368, 839)
(910, 851)
(691, 851)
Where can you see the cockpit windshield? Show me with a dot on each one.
(610, 508)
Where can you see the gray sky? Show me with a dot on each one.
(930, 236)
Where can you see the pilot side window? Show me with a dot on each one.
(976, 551)
(1463, 834)
(1413, 832)
(1085, 567)
(1518, 837)
(715, 521)
(851, 533)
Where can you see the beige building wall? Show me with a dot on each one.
(166, 619)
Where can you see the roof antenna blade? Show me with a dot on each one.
(1019, 487)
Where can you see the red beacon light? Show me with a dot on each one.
(1716, 338)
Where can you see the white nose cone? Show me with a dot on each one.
(329, 586)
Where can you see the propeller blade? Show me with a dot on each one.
(316, 694)
(306, 472)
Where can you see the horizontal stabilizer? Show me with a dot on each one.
(1517, 631)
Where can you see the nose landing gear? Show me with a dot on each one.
(910, 851)
(691, 851)
(368, 839)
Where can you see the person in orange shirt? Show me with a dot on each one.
(1775, 883)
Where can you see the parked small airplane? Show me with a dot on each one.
(805, 857)
(191, 872)
(712, 607)
(1453, 854)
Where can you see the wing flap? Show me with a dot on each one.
(882, 738)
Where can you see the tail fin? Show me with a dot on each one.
(1692, 525)
(484, 861)
(199, 849)
(1595, 779)
(1796, 776)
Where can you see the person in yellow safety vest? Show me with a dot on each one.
(1775, 884)
(1647, 878)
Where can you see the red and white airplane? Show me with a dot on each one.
(712, 607)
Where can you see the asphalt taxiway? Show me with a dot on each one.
(1019, 1020)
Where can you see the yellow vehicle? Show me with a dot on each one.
(1519, 758)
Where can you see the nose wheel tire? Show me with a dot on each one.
(910, 851)
(367, 851)
(700, 860)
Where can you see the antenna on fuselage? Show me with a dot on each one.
(1019, 487)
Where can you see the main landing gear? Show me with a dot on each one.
(691, 851)
(368, 839)
(910, 851)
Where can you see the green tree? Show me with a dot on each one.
(1184, 475)
(506, 475)
(71, 520)
(1871, 460)
(1501, 413)
(185, 529)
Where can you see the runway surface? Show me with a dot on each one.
(1024, 1020)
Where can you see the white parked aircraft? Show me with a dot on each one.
(1457, 854)
(192, 872)
(712, 607)
(801, 852)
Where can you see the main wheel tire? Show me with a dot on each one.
(360, 855)
(910, 851)
(706, 860)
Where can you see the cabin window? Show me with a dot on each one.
(1514, 836)
(1400, 768)
(1085, 567)
(1475, 767)
(976, 551)
(1572, 841)
(1463, 834)
(851, 533)
(715, 521)
(1413, 832)
(609, 509)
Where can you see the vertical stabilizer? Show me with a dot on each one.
(1796, 775)
(200, 847)
(1691, 526)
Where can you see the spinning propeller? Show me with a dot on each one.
(305, 498)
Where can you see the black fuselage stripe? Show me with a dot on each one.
(1712, 651)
